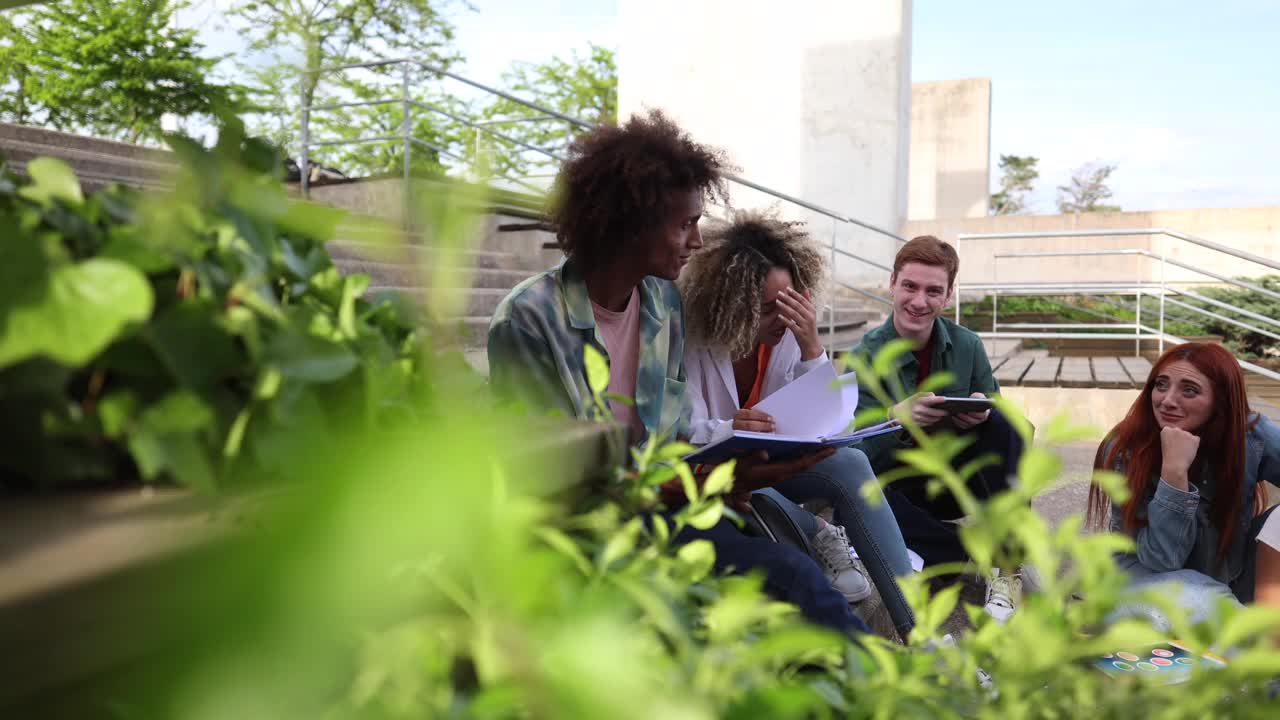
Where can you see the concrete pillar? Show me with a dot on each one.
(810, 98)
(950, 149)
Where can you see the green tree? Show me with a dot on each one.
(1087, 190)
(1018, 175)
(112, 68)
(581, 87)
(16, 51)
(298, 35)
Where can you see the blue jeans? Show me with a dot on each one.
(1198, 593)
(872, 529)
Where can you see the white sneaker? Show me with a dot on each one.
(831, 546)
(1003, 594)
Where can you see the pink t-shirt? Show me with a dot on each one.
(621, 334)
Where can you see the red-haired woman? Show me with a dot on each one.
(1195, 458)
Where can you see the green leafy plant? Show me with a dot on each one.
(111, 68)
(181, 334)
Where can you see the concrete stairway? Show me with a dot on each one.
(480, 278)
(97, 162)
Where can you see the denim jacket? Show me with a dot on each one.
(1180, 533)
(537, 336)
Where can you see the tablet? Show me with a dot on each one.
(956, 405)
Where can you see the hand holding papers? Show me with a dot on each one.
(814, 411)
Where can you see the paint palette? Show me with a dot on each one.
(1170, 663)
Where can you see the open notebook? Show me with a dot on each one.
(814, 411)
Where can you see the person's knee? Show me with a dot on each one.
(789, 570)
(850, 466)
(998, 425)
(855, 462)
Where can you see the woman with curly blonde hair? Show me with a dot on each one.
(752, 328)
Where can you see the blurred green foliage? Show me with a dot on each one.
(185, 333)
(436, 557)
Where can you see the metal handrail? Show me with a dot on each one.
(872, 263)
(1161, 290)
(578, 123)
(1228, 306)
(1139, 252)
(1146, 253)
(1223, 318)
(408, 142)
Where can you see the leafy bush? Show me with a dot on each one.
(185, 333)
(1242, 342)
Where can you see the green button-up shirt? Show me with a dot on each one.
(956, 350)
(538, 333)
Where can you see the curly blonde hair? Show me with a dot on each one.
(723, 283)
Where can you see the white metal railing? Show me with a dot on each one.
(409, 66)
(1165, 291)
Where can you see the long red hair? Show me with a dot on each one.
(1137, 440)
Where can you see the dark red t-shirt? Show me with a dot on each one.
(924, 358)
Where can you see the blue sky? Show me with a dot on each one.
(1182, 96)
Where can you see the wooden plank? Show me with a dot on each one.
(1043, 373)
(1138, 368)
(1109, 373)
(1075, 372)
(1012, 369)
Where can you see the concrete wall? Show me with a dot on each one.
(1096, 408)
(812, 100)
(950, 149)
(1255, 230)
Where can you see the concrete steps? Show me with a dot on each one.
(477, 302)
(414, 257)
(97, 162)
(395, 275)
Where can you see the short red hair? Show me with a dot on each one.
(929, 250)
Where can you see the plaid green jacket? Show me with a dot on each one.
(539, 330)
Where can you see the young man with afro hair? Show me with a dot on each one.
(626, 207)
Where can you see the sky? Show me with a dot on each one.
(1181, 95)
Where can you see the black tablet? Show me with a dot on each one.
(957, 405)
